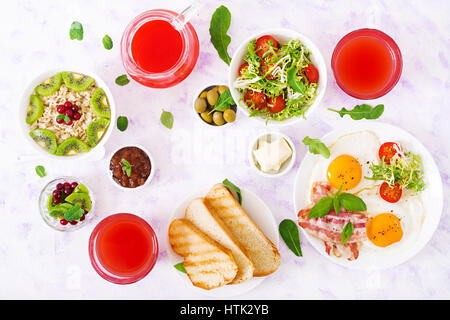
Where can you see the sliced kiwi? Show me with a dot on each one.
(49, 86)
(77, 82)
(82, 199)
(59, 210)
(45, 138)
(95, 131)
(35, 109)
(99, 104)
(71, 146)
(50, 204)
(81, 188)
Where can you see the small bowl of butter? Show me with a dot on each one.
(272, 154)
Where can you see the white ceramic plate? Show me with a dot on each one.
(258, 212)
(282, 36)
(432, 196)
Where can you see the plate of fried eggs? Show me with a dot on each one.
(395, 230)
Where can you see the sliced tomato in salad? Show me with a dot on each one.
(390, 193)
(276, 104)
(264, 68)
(264, 43)
(388, 150)
(312, 73)
(243, 68)
(255, 100)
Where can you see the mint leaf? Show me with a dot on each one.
(107, 42)
(220, 23)
(40, 171)
(122, 123)
(316, 147)
(76, 31)
(167, 119)
(74, 213)
(122, 80)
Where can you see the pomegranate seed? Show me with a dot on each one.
(68, 191)
(69, 123)
(68, 104)
(73, 222)
(60, 109)
(59, 186)
(68, 113)
(60, 121)
(74, 108)
(66, 184)
(56, 193)
(76, 116)
(86, 212)
(63, 222)
(74, 185)
(56, 200)
(82, 218)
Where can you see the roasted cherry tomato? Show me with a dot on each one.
(390, 193)
(264, 43)
(312, 73)
(388, 150)
(243, 68)
(255, 100)
(276, 104)
(264, 68)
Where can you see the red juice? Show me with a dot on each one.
(156, 46)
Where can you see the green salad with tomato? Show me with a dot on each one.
(276, 81)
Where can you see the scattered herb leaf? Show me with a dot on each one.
(74, 213)
(122, 80)
(122, 123)
(334, 201)
(76, 31)
(233, 187)
(126, 167)
(107, 42)
(225, 100)
(289, 232)
(180, 267)
(167, 119)
(294, 83)
(346, 232)
(40, 170)
(321, 208)
(316, 147)
(220, 23)
(362, 111)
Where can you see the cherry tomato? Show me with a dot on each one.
(312, 73)
(255, 100)
(388, 150)
(264, 43)
(276, 104)
(390, 193)
(264, 68)
(243, 68)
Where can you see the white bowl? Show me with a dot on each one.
(197, 115)
(23, 106)
(282, 36)
(152, 169)
(285, 167)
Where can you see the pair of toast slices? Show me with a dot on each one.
(220, 243)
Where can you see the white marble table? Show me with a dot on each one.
(37, 262)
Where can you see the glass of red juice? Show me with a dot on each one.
(159, 48)
(123, 248)
(366, 63)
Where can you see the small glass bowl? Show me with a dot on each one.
(54, 222)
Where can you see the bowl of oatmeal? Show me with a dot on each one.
(67, 114)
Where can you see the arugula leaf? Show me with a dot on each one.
(167, 119)
(289, 232)
(74, 213)
(233, 187)
(294, 83)
(76, 31)
(122, 80)
(362, 111)
(346, 232)
(220, 23)
(225, 100)
(107, 42)
(316, 147)
(180, 267)
(122, 123)
(40, 171)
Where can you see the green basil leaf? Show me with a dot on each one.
(233, 187)
(362, 111)
(321, 208)
(316, 147)
(122, 123)
(40, 171)
(167, 119)
(180, 267)
(294, 83)
(220, 23)
(346, 232)
(289, 232)
(336, 205)
(225, 100)
(107, 42)
(122, 80)
(76, 31)
(74, 213)
(351, 202)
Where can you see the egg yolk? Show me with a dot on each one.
(344, 171)
(384, 230)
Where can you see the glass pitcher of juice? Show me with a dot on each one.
(160, 48)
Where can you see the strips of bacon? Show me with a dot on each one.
(329, 227)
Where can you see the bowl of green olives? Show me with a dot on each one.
(215, 106)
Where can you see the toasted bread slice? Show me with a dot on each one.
(202, 215)
(208, 264)
(262, 251)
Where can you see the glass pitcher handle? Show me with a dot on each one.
(186, 15)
